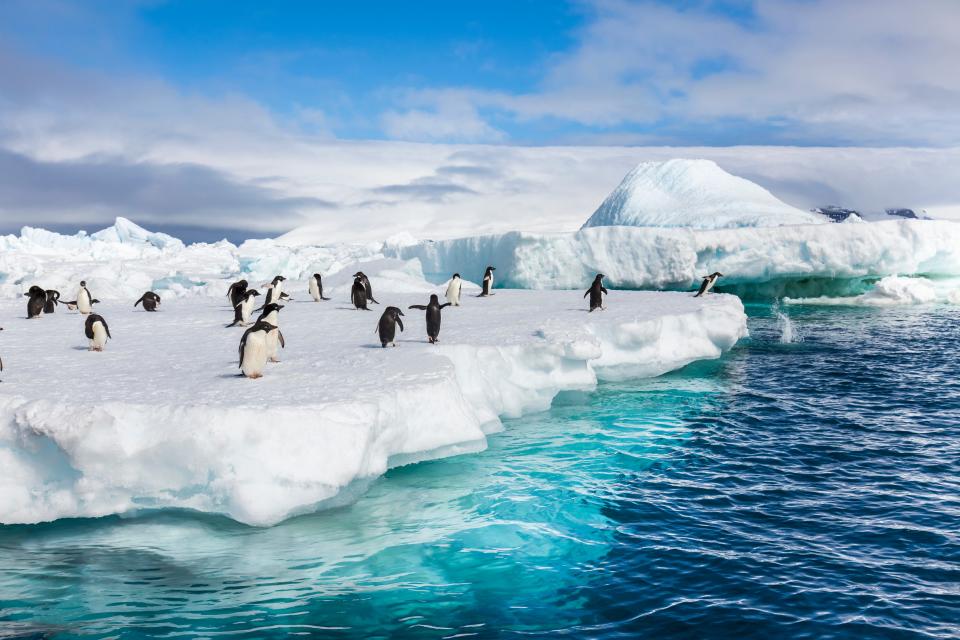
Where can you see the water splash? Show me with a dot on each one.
(789, 333)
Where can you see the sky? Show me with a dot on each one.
(245, 118)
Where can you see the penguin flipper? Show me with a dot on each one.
(446, 304)
(106, 328)
(604, 290)
(400, 322)
(138, 301)
(418, 306)
(587, 293)
(283, 345)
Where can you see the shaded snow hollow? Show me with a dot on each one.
(160, 418)
(695, 194)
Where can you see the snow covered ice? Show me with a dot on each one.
(161, 419)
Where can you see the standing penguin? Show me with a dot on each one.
(84, 301)
(596, 292)
(708, 282)
(358, 294)
(387, 327)
(241, 311)
(96, 329)
(433, 317)
(487, 282)
(453, 290)
(253, 349)
(37, 301)
(236, 291)
(271, 315)
(275, 290)
(53, 298)
(150, 301)
(316, 288)
(366, 284)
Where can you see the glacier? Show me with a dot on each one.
(161, 420)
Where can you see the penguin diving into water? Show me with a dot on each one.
(150, 301)
(53, 298)
(358, 294)
(453, 290)
(242, 310)
(433, 316)
(316, 288)
(487, 282)
(387, 327)
(708, 282)
(366, 285)
(37, 301)
(596, 292)
(97, 331)
(271, 316)
(253, 349)
(236, 291)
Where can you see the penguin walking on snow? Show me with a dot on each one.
(253, 349)
(433, 316)
(453, 290)
(708, 282)
(316, 288)
(596, 292)
(271, 315)
(53, 298)
(366, 285)
(97, 331)
(242, 310)
(387, 327)
(236, 291)
(358, 294)
(487, 282)
(37, 301)
(150, 301)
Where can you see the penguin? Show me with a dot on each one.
(84, 300)
(274, 295)
(53, 298)
(97, 331)
(277, 283)
(271, 315)
(387, 327)
(433, 316)
(453, 290)
(366, 283)
(150, 301)
(253, 349)
(1, 359)
(241, 311)
(236, 291)
(358, 294)
(596, 292)
(316, 288)
(37, 301)
(487, 282)
(708, 282)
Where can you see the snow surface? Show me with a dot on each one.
(160, 418)
(694, 194)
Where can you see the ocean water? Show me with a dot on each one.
(806, 485)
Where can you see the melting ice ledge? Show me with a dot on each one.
(160, 419)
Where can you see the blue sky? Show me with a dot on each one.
(246, 101)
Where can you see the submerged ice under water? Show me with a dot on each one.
(788, 490)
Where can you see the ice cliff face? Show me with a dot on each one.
(694, 194)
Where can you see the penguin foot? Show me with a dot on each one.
(274, 359)
(255, 376)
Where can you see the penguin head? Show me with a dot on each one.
(273, 306)
(83, 283)
(716, 274)
(243, 283)
(252, 292)
(434, 299)
(600, 277)
(455, 276)
(316, 276)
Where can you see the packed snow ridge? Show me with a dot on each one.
(160, 419)
(695, 194)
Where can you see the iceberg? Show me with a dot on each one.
(161, 420)
(695, 194)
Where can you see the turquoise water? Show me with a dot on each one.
(808, 488)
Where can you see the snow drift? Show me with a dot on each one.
(694, 194)
(160, 419)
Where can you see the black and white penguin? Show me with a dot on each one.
(433, 316)
(37, 301)
(316, 288)
(387, 327)
(271, 315)
(1, 359)
(487, 282)
(150, 301)
(242, 310)
(708, 282)
(253, 349)
(84, 301)
(366, 283)
(275, 295)
(358, 294)
(596, 292)
(236, 291)
(53, 298)
(96, 329)
(453, 290)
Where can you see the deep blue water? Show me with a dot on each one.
(802, 490)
